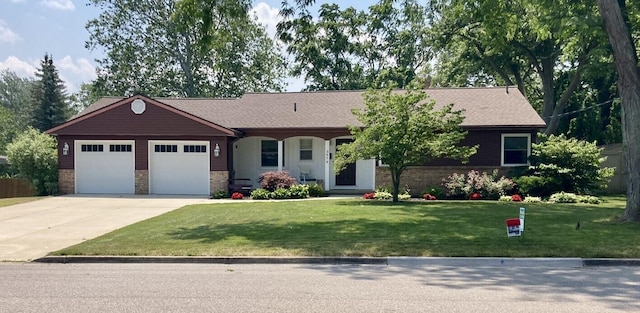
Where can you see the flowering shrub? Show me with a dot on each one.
(237, 196)
(315, 190)
(487, 186)
(299, 191)
(475, 196)
(427, 196)
(435, 191)
(504, 199)
(404, 196)
(531, 199)
(589, 199)
(516, 198)
(275, 180)
(382, 195)
(260, 194)
(369, 195)
(563, 197)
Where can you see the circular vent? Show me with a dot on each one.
(138, 106)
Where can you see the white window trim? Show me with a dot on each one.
(502, 137)
(300, 149)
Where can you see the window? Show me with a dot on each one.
(306, 149)
(195, 148)
(166, 148)
(119, 148)
(92, 148)
(269, 153)
(515, 149)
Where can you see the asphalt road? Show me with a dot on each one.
(28, 287)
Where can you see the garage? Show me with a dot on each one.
(179, 167)
(105, 166)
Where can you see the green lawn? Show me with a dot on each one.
(374, 228)
(12, 201)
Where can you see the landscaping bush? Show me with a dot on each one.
(34, 155)
(220, 195)
(563, 197)
(383, 195)
(280, 193)
(589, 199)
(260, 194)
(532, 199)
(504, 198)
(369, 195)
(427, 196)
(535, 185)
(516, 198)
(299, 191)
(404, 196)
(486, 186)
(275, 180)
(237, 196)
(316, 190)
(435, 191)
(569, 164)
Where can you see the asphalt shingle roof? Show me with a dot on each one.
(484, 107)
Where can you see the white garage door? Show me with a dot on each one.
(179, 167)
(105, 166)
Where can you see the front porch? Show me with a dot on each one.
(308, 159)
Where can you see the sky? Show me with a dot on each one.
(31, 28)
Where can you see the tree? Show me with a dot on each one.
(489, 43)
(87, 95)
(351, 49)
(49, 100)
(15, 94)
(35, 157)
(182, 48)
(402, 128)
(8, 129)
(626, 60)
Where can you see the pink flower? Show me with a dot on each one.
(369, 195)
(516, 198)
(237, 196)
(475, 196)
(427, 196)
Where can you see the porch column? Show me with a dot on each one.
(327, 164)
(280, 155)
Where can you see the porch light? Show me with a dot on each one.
(216, 151)
(65, 149)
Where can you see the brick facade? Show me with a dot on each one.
(66, 181)
(142, 182)
(417, 178)
(218, 180)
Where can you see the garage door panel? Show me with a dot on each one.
(105, 167)
(179, 167)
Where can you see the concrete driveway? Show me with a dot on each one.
(31, 230)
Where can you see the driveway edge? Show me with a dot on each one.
(212, 260)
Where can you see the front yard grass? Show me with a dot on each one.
(353, 227)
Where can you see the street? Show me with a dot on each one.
(31, 287)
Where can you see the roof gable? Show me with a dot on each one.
(115, 117)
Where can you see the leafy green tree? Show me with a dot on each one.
(15, 96)
(351, 49)
(182, 48)
(48, 96)
(8, 129)
(403, 128)
(35, 157)
(618, 23)
(567, 164)
(528, 43)
(87, 95)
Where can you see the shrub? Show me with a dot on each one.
(516, 198)
(572, 165)
(563, 197)
(382, 195)
(316, 190)
(237, 196)
(531, 199)
(535, 185)
(274, 180)
(369, 195)
(299, 191)
(475, 196)
(280, 193)
(504, 198)
(427, 196)
(404, 196)
(260, 194)
(220, 195)
(435, 191)
(589, 199)
(487, 186)
(35, 157)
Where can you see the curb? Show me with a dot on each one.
(391, 261)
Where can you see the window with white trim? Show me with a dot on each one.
(306, 149)
(515, 149)
(269, 153)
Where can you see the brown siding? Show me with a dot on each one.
(65, 161)
(142, 154)
(154, 121)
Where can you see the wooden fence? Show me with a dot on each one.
(15, 187)
(618, 183)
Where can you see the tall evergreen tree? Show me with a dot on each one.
(48, 96)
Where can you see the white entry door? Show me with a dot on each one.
(103, 166)
(179, 167)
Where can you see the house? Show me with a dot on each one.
(148, 145)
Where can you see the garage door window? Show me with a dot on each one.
(119, 148)
(166, 148)
(195, 148)
(92, 148)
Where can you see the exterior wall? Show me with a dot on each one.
(66, 181)
(417, 178)
(613, 153)
(218, 180)
(142, 182)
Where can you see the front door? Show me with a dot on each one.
(347, 177)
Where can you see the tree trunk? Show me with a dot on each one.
(624, 54)
(395, 181)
